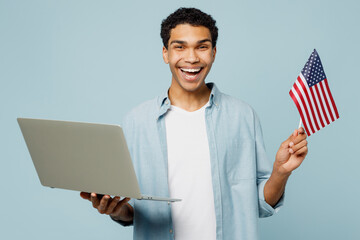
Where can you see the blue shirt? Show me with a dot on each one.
(239, 167)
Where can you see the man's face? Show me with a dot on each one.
(190, 56)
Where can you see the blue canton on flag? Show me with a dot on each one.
(313, 70)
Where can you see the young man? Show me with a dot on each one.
(200, 145)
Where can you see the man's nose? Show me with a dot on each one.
(191, 56)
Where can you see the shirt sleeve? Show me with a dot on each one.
(265, 210)
(263, 173)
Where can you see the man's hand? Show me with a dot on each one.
(291, 153)
(114, 207)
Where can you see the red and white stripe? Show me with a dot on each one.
(315, 105)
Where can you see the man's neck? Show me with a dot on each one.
(189, 101)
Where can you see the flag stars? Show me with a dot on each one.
(313, 70)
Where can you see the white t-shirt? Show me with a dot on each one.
(189, 174)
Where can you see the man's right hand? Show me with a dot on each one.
(118, 209)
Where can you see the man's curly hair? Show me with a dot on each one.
(192, 16)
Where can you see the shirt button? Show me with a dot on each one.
(167, 102)
(171, 231)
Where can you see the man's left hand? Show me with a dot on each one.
(291, 153)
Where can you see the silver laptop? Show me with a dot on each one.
(81, 156)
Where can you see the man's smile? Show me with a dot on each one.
(191, 70)
(190, 73)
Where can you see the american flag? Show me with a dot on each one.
(312, 97)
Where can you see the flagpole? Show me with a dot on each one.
(300, 123)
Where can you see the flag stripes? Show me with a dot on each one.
(307, 101)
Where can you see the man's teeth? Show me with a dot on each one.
(192, 70)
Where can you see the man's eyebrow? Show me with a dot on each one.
(184, 42)
(177, 41)
(205, 40)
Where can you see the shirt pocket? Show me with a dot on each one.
(240, 160)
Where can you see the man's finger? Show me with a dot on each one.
(103, 204)
(297, 139)
(125, 200)
(85, 195)
(112, 205)
(95, 201)
(290, 141)
(301, 130)
(302, 152)
(295, 133)
(298, 146)
(117, 210)
(285, 144)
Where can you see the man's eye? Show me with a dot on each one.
(204, 47)
(179, 47)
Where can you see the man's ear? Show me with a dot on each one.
(165, 55)
(214, 53)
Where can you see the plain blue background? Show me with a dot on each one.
(95, 60)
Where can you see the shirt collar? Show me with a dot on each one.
(164, 100)
(214, 95)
